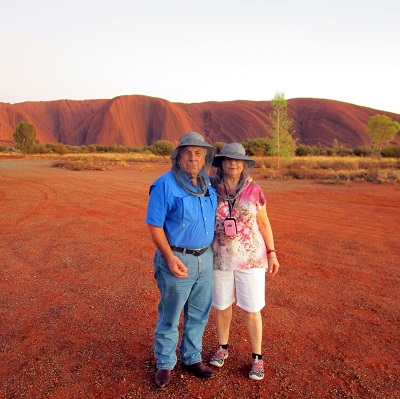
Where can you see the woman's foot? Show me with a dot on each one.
(219, 357)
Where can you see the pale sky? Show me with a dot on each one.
(206, 50)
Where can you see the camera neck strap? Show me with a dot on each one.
(230, 199)
(231, 204)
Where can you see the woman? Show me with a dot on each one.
(243, 250)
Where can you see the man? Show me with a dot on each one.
(181, 216)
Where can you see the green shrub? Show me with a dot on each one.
(162, 147)
(61, 149)
(362, 151)
(41, 149)
(391, 152)
(329, 152)
(219, 145)
(257, 147)
(303, 150)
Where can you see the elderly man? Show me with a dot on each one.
(181, 216)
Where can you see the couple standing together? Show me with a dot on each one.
(214, 242)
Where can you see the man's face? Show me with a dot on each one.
(192, 159)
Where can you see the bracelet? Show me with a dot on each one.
(272, 257)
(271, 250)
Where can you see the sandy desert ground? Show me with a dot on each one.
(78, 299)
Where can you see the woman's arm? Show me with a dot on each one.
(264, 226)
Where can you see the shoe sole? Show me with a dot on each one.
(161, 388)
(217, 364)
(256, 378)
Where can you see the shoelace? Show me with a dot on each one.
(258, 366)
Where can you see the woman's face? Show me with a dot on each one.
(232, 168)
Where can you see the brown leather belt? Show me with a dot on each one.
(194, 252)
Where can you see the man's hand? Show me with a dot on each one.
(177, 268)
(175, 265)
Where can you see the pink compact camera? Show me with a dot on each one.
(230, 227)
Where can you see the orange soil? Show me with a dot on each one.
(78, 299)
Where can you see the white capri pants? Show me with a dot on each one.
(249, 285)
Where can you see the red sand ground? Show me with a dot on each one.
(78, 299)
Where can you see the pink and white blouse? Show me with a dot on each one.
(246, 249)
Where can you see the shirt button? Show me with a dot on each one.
(183, 225)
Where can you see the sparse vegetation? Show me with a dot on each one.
(95, 161)
(382, 130)
(25, 137)
(162, 147)
(282, 143)
(219, 145)
(257, 147)
(310, 162)
(338, 169)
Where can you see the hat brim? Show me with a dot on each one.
(217, 161)
(196, 143)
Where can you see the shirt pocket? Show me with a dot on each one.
(190, 209)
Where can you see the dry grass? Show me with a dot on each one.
(98, 161)
(105, 157)
(333, 170)
(329, 170)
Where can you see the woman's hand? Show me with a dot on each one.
(273, 265)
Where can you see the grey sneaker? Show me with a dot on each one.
(219, 357)
(257, 370)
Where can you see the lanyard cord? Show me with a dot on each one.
(230, 200)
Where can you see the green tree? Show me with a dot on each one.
(336, 147)
(283, 143)
(25, 136)
(382, 130)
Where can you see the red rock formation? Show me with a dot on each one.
(140, 120)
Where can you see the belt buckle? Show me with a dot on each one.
(198, 252)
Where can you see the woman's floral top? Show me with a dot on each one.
(246, 249)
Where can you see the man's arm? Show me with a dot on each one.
(160, 240)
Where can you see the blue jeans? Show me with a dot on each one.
(193, 294)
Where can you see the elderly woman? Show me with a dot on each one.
(243, 251)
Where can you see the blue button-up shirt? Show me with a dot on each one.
(188, 221)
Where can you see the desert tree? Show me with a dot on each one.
(382, 130)
(283, 143)
(336, 147)
(25, 136)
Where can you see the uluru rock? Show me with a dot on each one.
(137, 120)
